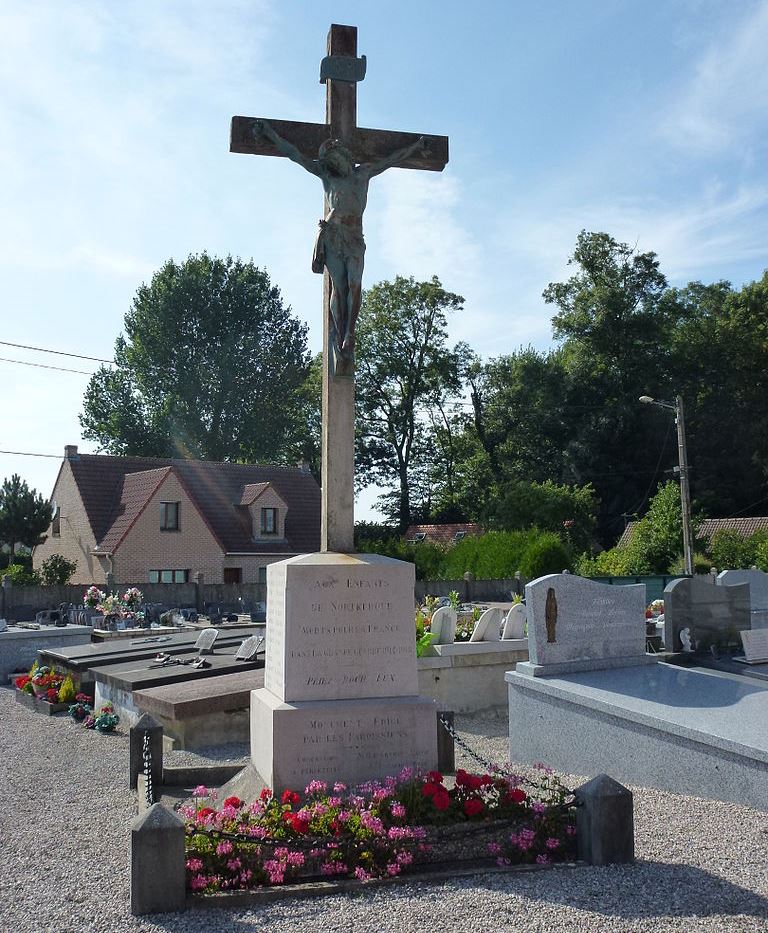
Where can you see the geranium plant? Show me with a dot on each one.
(374, 830)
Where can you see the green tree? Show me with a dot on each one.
(57, 570)
(405, 367)
(24, 514)
(211, 366)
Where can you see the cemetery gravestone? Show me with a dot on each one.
(755, 643)
(249, 648)
(488, 626)
(443, 626)
(207, 637)
(714, 614)
(576, 624)
(758, 592)
(514, 623)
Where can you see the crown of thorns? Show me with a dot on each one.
(330, 145)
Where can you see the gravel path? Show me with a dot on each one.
(64, 859)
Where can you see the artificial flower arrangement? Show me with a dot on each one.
(374, 830)
(81, 709)
(46, 684)
(655, 609)
(103, 721)
(112, 605)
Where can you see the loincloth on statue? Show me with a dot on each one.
(345, 241)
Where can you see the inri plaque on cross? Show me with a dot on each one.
(345, 157)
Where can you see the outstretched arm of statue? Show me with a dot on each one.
(264, 129)
(376, 168)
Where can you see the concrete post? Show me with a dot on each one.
(446, 752)
(146, 724)
(109, 580)
(5, 603)
(157, 862)
(469, 590)
(605, 827)
(199, 601)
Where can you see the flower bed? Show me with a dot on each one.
(45, 690)
(376, 830)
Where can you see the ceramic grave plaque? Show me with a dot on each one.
(576, 624)
(249, 648)
(714, 614)
(755, 642)
(205, 640)
(514, 623)
(443, 626)
(488, 626)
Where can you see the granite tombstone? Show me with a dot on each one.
(576, 624)
(714, 615)
(758, 592)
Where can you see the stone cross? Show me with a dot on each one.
(340, 71)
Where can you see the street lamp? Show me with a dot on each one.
(685, 492)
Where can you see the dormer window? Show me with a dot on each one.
(169, 516)
(269, 521)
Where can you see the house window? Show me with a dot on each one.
(262, 575)
(169, 576)
(56, 526)
(269, 521)
(169, 516)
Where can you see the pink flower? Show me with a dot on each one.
(393, 869)
(198, 882)
(339, 788)
(224, 848)
(503, 861)
(316, 787)
(494, 848)
(234, 864)
(542, 860)
(538, 808)
(361, 874)
(200, 791)
(552, 843)
(398, 810)
(570, 830)
(194, 864)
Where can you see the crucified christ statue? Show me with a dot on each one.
(340, 247)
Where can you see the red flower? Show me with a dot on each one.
(235, 802)
(473, 806)
(441, 800)
(516, 795)
(298, 825)
(435, 777)
(52, 695)
(22, 681)
(265, 794)
(462, 778)
(648, 614)
(429, 790)
(290, 796)
(203, 813)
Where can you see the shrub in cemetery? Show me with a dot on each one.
(67, 690)
(546, 554)
(21, 575)
(56, 570)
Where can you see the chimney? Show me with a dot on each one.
(70, 451)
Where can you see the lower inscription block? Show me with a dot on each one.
(340, 740)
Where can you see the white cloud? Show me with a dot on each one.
(724, 104)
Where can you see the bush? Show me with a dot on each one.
(546, 554)
(21, 575)
(56, 570)
(67, 690)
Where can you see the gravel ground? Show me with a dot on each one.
(64, 859)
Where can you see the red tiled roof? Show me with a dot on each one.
(251, 492)
(442, 534)
(110, 497)
(709, 526)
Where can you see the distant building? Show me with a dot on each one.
(147, 520)
(442, 534)
(745, 527)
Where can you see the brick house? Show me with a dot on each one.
(442, 534)
(147, 520)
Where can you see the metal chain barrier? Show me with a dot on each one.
(147, 756)
(489, 766)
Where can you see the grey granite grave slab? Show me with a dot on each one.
(19, 647)
(758, 592)
(755, 642)
(141, 672)
(714, 615)
(576, 624)
(689, 731)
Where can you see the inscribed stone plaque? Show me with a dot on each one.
(714, 614)
(340, 626)
(755, 644)
(758, 585)
(443, 626)
(488, 626)
(578, 624)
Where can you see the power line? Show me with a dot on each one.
(24, 453)
(61, 369)
(79, 356)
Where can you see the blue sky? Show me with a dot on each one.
(645, 120)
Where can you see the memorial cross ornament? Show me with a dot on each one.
(344, 157)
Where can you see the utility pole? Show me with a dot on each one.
(685, 490)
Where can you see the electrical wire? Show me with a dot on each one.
(79, 356)
(24, 453)
(61, 369)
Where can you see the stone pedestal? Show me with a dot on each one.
(340, 700)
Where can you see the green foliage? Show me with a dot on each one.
(24, 514)
(212, 366)
(568, 510)
(729, 550)
(761, 555)
(546, 554)
(21, 575)
(57, 570)
(404, 369)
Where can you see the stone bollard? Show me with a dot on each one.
(446, 751)
(136, 750)
(199, 592)
(469, 589)
(605, 826)
(157, 862)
